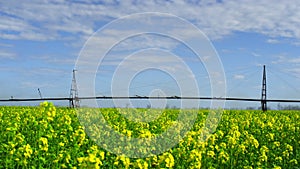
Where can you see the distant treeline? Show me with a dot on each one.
(279, 107)
(288, 107)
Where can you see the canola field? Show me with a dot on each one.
(52, 137)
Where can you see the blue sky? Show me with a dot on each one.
(40, 42)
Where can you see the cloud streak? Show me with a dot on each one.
(239, 77)
(7, 55)
(48, 20)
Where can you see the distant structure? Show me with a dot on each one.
(264, 91)
(40, 94)
(74, 100)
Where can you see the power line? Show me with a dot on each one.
(151, 97)
(279, 77)
(249, 74)
(74, 99)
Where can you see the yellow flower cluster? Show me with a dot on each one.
(93, 159)
(50, 137)
(44, 144)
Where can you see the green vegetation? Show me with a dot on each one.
(50, 137)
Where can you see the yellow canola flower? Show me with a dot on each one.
(51, 113)
(169, 160)
(12, 151)
(127, 132)
(44, 104)
(12, 144)
(255, 143)
(145, 134)
(223, 145)
(278, 159)
(248, 167)
(67, 119)
(126, 161)
(294, 161)
(68, 158)
(80, 159)
(92, 158)
(263, 157)
(232, 141)
(223, 156)
(289, 147)
(196, 154)
(93, 149)
(220, 133)
(276, 143)
(270, 124)
(98, 163)
(44, 140)
(270, 136)
(28, 151)
(242, 147)
(212, 139)
(211, 154)
(141, 164)
(44, 145)
(286, 153)
(264, 149)
(102, 155)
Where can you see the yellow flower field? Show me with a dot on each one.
(51, 137)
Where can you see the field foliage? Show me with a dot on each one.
(50, 137)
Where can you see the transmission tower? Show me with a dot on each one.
(264, 91)
(40, 93)
(74, 101)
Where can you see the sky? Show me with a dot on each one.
(152, 49)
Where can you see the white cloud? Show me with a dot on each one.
(206, 58)
(35, 85)
(54, 60)
(283, 59)
(273, 41)
(146, 41)
(7, 55)
(44, 20)
(279, 59)
(6, 45)
(295, 60)
(226, 51)
(153, 58)
(239, 77)
(255, 54)
(294, 71)
(296, 43)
